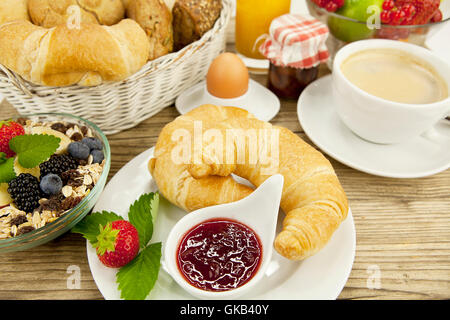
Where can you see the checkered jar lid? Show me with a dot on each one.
(296, 41)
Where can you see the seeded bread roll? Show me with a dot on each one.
(192, 19)
(50, 13)
(155, 18)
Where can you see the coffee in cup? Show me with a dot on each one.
(395, 75)
(388, 91)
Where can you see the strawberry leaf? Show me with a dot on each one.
(138, 278)
(33, 149)
(89, 227)
(7, 172)
(142, 215)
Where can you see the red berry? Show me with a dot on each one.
(409, 9)
(339, 3)
(8, 130)
(388, 5)
(385, 16)
(397, 17)
(437, 16)
(331, 7)
(118, 244)
(425, 9)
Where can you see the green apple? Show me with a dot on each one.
(349, 31)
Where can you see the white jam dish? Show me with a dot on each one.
(259, 212)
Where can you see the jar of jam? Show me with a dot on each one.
(295, 48)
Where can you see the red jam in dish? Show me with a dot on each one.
(219, 255)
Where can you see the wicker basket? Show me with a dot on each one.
(122, 105)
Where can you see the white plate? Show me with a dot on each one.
(418, 157)
(319, 277)
(258, 100)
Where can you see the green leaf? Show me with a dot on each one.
(142, 215)
(33, 149)
(7, 172)
(89, 227)
(2, 157)
(138, 278)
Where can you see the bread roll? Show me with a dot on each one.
(62, 56)
(156, 20)
(11, 10)
(192, 19)
(50, 13)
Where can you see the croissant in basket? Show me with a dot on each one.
(61, 56)
(313, 199)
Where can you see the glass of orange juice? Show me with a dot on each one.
(253, 18)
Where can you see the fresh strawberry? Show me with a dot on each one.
(117, 244)
(8, 130)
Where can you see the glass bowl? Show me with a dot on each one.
(70, 218)
(344, 30)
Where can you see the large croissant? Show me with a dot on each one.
(61, 56)
(313, 199)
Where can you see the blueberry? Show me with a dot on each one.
(51, 184)
(92, 143)
(79, 150)
(97, 156)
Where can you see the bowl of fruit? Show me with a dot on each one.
(53, 168)
(352, 20)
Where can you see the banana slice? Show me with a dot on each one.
(63, 144)
(18, 169)
(5, 198)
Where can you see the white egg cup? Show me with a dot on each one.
(258, 100)
(259, 211)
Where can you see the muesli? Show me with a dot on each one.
(46, 169)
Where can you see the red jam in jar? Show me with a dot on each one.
(288, 82)
(219, 255)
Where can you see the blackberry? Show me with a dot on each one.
(57, 164)
(25, 192)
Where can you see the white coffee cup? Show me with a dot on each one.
(379, 120)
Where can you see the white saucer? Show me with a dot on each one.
(322, 276)
(419, 157)
(258, 100)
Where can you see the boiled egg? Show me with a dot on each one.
(227, 77)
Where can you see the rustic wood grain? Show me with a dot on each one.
(402, 226)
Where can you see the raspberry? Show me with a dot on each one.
(8, 130)
(330, 5)
(25, 192)
(397, 17)
(424, 9)
(388, 5)
(57, 164)
(385, 16)
(437, 16)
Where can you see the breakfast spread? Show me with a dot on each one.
(295, 49)
(217, 153)
(46, 169)
(68, 42)
(219, 255)
(313, 199)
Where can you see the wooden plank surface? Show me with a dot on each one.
(402, 226)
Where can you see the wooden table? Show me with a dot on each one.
(402, 226)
